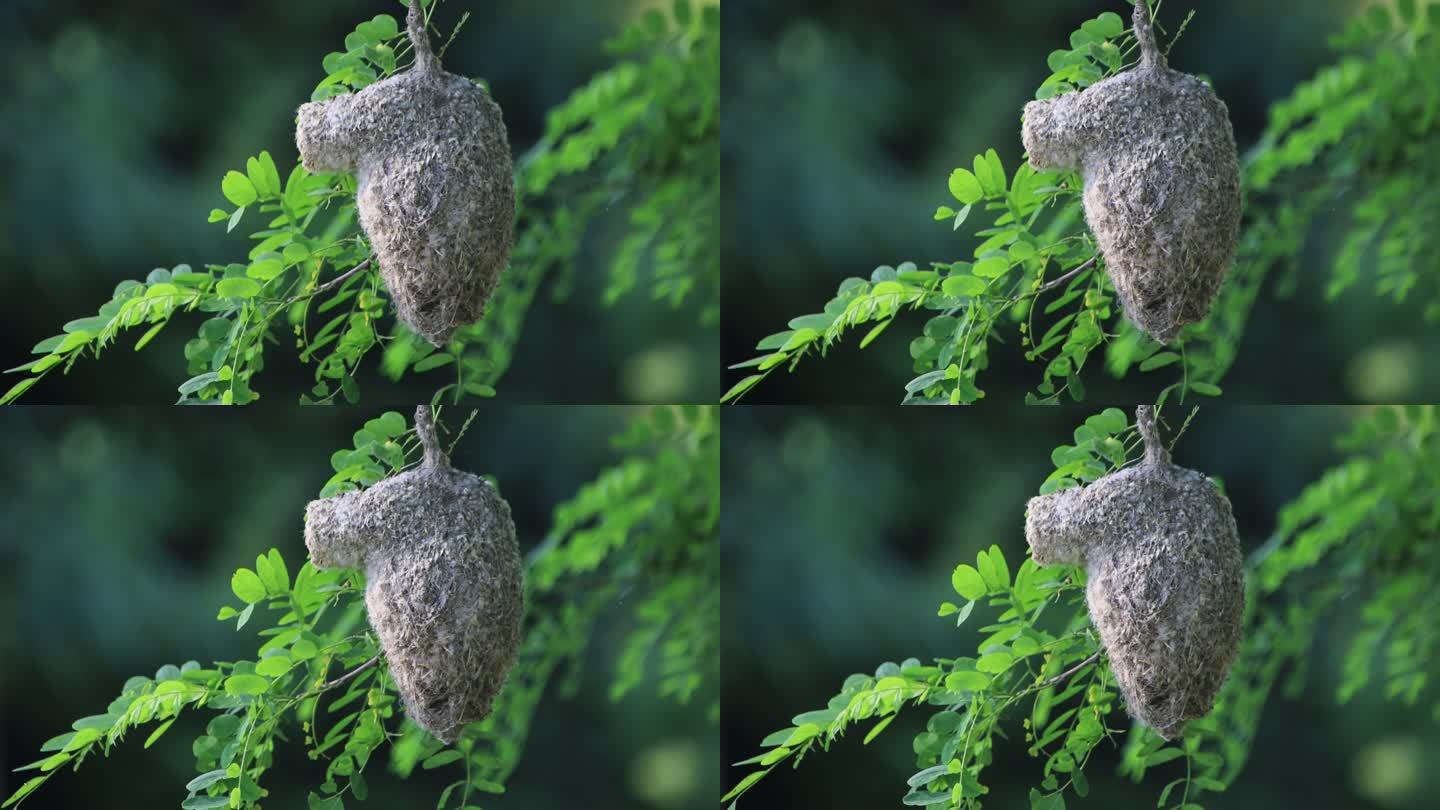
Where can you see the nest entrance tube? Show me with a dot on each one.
(444, 588)
(1150, 55)
(425, 58)
(1157, 155)
(435, 184)
(1165, 579)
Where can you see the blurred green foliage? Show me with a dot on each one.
(598, 158)
(1335, 594)
(602, 585)
(1307, 176)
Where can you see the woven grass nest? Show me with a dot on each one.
(1162, 182)
(436, 191)
(1166, 587)
(443, 581)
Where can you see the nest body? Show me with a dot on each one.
(1166, 585)
(436, 189)
(1162, 183)
(443, 588)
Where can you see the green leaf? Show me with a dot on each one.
(1205, 389)
(1000, 568)
(280, 573)
(159, 730)
(247, 585)
(149, 335)
(993, 267)
(1109, 421)
(441, 759)
(747, 783)
(741, 387)
(273, 667)
(57, 743)
(1110, 25)
(995, 662)
(1040, 801)
(966, 681)
(434, 361)
(29, 787)
(98, 722)
(243, 685)
(317, 802)
(963, 286)
(17, 389)
(924, 381)
(205, 780)
(876, 332)
(270, 174)
(961, 217)
(265, 269)
(965, 187)
(205, 802)
(1160, 360)
(238, 189)
(967, 582)
(237, 287)
(877, 728)
(1163, 756)
(198, 382)
(996, 171)
(1080, 783)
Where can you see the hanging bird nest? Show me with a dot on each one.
(443, 581)
(1162, 182)
(1166, 585)
(436, 190)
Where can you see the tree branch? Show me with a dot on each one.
(1095, 656)
(331, 284)
(349, 676)
(1082, 267)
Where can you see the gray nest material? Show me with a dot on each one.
(436, 190)
(1162, 182)
(1165, 587)
(443, 581)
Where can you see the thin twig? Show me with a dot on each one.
(349, 676)
(340, 279)
(1095, 656)
(329, 285)
(1086, 265)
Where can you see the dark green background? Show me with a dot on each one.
(842, 527)
(844, 118)
(120, 118)
(122, 527)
